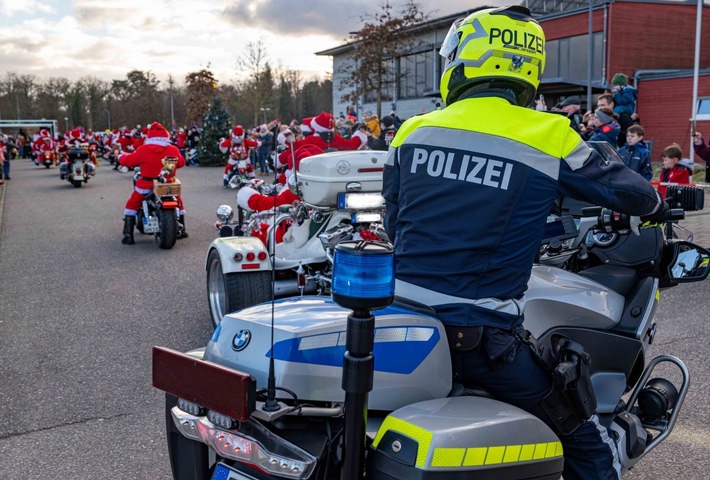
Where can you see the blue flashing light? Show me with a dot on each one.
(363, 274)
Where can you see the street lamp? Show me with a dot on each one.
(265, 109)
(108, 114)
(66, 124)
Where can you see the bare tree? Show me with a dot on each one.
(384, 37)
(256, 88)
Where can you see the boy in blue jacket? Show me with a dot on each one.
(624, 95)
(635, 153)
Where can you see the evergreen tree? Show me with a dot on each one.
(216, 124)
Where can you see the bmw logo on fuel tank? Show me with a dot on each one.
(241, 340)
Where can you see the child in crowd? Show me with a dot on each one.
(624, 95)
(672, 172)
(606, 128)
(635, 153)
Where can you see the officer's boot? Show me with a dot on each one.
(183, 232)
(129, 221)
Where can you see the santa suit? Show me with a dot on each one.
(323, 125)
(251, 200)
(238, 146)
(126, 143)
(149, 158)
(47, 145)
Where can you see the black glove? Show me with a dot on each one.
(661, 215)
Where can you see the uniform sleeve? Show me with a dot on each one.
(390, 191)
(703, 151)
(609, 184)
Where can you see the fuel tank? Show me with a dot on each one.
(556, 297)
(412, 362)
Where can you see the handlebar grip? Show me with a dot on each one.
(591, 211)
(676, 214)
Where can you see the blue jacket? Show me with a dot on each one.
(625, 100)
(638, 159)
(607, 133)
(468, 190)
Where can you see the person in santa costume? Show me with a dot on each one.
(39, 143)
(238, 147)
(46, 145)
(252, 201)
(126, 141)
(324, 138)
(149, 158)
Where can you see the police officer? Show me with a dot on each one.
(468, 189)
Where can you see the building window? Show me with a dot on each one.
(417, 74)
(387, 84)
(703, 111)
(567, 58)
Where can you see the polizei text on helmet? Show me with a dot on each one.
(518, 40)
(466, 167)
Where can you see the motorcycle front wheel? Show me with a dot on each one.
(167, 235)
(229, 292)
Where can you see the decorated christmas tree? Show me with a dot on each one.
(216, 125)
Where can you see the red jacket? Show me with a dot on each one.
(677, 174)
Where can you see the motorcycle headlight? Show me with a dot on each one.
(225, 213)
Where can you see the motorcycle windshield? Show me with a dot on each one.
(607, 152)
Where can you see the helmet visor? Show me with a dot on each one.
(451, 42)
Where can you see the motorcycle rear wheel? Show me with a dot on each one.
(188, 459)
(167, 235)
(76, 183)
(229, 292)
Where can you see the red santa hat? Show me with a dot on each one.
(145, 131)
(322, 123)
(44, 132)
(306, 125)
(157, 130)
(75, 134)
(115, 131)
(238, 131)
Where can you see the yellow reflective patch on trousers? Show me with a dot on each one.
(498, 455)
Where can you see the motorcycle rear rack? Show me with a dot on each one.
(664, 425)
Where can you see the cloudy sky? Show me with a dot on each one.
(108, 38)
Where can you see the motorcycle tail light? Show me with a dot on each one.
(262, 256)
(190, 407)
(254, 445)
(250, 256)
(222, 421)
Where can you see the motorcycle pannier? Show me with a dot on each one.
(462, 438)
(161, 189)
(322, 177)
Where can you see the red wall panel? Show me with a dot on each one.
(665, 108)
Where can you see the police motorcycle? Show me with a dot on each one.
(78, 168)
(159, 214)
(341, 201)
(312, 387)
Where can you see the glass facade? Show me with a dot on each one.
(567, 58)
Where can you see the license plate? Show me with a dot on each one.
(225, 472)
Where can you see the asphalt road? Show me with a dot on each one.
(79, 313)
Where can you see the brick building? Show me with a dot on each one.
(651, 41)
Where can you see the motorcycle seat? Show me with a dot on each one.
(619, 279)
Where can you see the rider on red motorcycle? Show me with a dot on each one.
(149, 158)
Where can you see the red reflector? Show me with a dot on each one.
(372, 169)
(212, 386)
(170, 204)
(250, 266)
(250, 256)
(262, 255)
